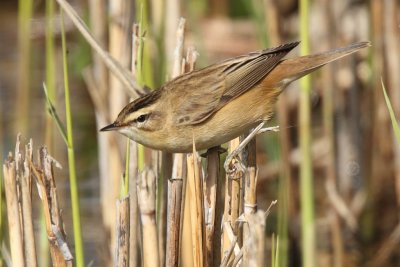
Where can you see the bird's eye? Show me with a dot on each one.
(141, 118)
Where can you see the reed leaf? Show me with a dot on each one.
(393, 119)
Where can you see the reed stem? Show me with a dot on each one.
(306, 179)
(79, 253)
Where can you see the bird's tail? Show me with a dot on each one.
(293, 69)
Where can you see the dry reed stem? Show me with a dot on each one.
(133, 168)
(340, 205)
(122, 73)
(120, 36)
(212, 236)
(196, 208)
(175, 183)
(255, 243)
(172, 23)
(173, 220)
(232, 200)
(97, 80)
(14, 225)
(387, 248)
(60, 254)
(231, 236)
(147, 205)
(228, 253)
(122, 232)
(25, 178)
(98, 24)
(250, 190)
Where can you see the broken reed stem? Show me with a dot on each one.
(147, 205)
(60, 254)
(10, 187)
(25, 178)
(175, 183)
(212, 234)
(122, 232)
(195, 184)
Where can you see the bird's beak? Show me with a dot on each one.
(112, 127)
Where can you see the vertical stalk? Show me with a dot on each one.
(50, 66)
(122, 226)
(175, 183)
(133, 166)
(147, 198)
(79, 254)
(211, 200)
(10, 185)
(195, 185)
(306, 179)
(25, 8)
(50, 83)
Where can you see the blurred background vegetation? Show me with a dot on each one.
(355, 158)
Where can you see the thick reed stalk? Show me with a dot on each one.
(10, 187)
(147, 204)
(306, 179)
(175, 183)
(79, 253)
(25, 178)
(195, 185)
(212, 229)
(255, 243)
(122, 233)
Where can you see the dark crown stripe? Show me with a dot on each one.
(144, 101)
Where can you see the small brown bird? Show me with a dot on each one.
(218, 103)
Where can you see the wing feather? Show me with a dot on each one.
(213, 87)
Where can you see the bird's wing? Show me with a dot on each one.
(207, 90)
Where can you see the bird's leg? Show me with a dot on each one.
(229, 168)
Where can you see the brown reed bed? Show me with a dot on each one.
(183, 210)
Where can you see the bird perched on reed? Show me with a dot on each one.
(213, 105)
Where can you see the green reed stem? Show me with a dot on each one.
(44, 259)
(25, 10)
(395, 124)
(306, 178)
(50, 54)
(79, 254)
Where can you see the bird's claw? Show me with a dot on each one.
(233, 164)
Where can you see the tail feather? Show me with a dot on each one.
(293, 69)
